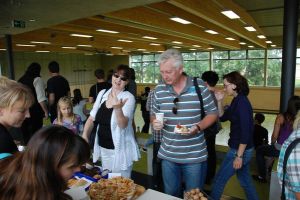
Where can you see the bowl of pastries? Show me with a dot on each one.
(195, 194)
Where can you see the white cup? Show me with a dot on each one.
(21, 148)
(159, 117)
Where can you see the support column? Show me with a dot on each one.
(9, 53)
(290, 28)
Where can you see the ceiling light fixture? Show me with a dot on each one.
(210, 48)
(269, 42)
(211, 32)
(242, 43)
(141, 49)
(84, 45)
(25, 45)
(154, 44)
(149, 37)
(88, 54)
(42, 51)
(180, 20)
(176, 42)
(176, 47)
(32, 20)
(80, 35)
(107, 31)
(116, 47)
(250, 28)
(193, 49)
(229, 38)
(37, 42)
(195, 45)
(273, 45)
(121, 40)
(65, 47)
(261, 36)
(230, 14)
(250, 46)
(2, 49)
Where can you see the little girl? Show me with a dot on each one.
(66, 117)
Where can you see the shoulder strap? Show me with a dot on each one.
(199, 96)
(286, 156)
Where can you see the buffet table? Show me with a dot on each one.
(150, 194)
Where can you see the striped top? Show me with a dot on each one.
(292, 177)
(176, 147)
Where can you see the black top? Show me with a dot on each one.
(95, 89)
(260, 136)
(59, 86)
(144, 98)
(7, 144)
(103, 117)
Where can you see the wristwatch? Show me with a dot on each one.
(198, 127)
(237, 156)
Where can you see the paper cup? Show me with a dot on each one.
(159, 117)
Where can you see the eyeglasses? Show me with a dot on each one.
(122, 78)
(175, 109)
(226, 85)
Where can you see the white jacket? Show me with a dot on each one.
(126, 148)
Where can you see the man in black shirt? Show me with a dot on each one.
(57, 87)
(100, 85)
(260, 133)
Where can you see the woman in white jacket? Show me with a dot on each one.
(114, 110)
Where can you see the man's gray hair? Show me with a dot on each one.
(171, 54)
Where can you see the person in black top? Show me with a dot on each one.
(15, 100)
(145, 112)
(260, 134)
(57, 87)
(100, 85)
(38, 110)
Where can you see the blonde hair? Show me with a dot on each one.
(12, 91)
(296, 124)
(68, 101)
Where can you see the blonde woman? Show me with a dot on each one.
(15, 100)
(114, 111)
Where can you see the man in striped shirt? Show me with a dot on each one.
(183, 155)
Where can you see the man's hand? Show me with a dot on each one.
(157, 125)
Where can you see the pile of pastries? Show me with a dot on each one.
(194, 194)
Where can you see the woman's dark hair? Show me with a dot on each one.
(124, 70)
(240, 81)
(33, 70)
(34, 174)
(77, 96)
(292, 108)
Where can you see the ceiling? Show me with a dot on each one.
(55, 20)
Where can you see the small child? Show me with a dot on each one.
(260, 134)
(66, 117)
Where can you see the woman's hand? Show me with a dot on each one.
(237, 163)
(115, 102)
(219, 95)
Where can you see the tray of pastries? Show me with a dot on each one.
(196, 194)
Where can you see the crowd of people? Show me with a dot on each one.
(105, 123)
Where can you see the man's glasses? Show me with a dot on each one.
(175, 109)
(122, 78)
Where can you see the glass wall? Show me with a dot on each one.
(260, 67)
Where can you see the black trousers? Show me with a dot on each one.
(212, 158)
(156, 167)
(146, 118)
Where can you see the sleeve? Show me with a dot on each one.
(39, 89)
(91, 92)
(97, 104)
(128, 108)
(50, 86)
(246, 120)
(293, 169)
(148, 102)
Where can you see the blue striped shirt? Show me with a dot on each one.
(176, 147)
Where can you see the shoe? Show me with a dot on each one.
(259, 178)
(143, 149)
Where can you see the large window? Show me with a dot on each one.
(260, 67)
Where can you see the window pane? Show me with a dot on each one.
(221, 67)
(201, 66)
(136, 58)
(157, 76)
(275, 53)
(202, 55)
(148, 72)
(237, 54)
(274, 72)
(220, 55)
(254, 72)
(138, 71)
(298, 52)
(189, 56)
(148, 57)
(297, 78)
(256, 53)
(189, 67)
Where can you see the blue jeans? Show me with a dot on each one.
(226, 171)
(174, 174)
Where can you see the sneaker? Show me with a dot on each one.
(259, 178)
(143, 149)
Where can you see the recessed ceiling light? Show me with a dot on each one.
(229, 38)
(116, 47)
(88, 54)
(269, 42)
(65, 47)
(42, 51)
(107, 31)
(126, 50)
(211, 32)
(25, 45)
(121, 40)
(273, 45)
(230, 14)
(154, 44)
(250, 46)
(250, 28)
(210, 48)
(32, 20)
(261, 36)
(37, 42)
(176, 42)
(195, 45)
(180, 20)
(80, 35)
(193, 49)
(176, 47)
(149, 37)
(141, 49)
(242, 43)
(109, 54)
(84, 45)
(2, 49)
(160, 51)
